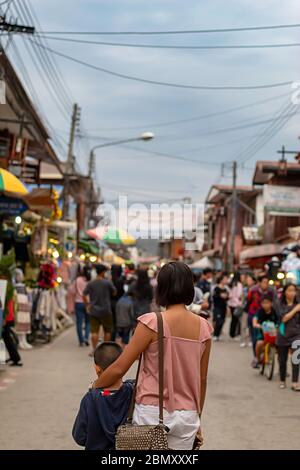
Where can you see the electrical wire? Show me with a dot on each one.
(187, 31)
(27, 80)
(170, 46)
(279, 121)
(194, 118)
(45, 63)
(165, 84)
(60, 77)
(222, 130)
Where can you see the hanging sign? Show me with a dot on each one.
(12, 206)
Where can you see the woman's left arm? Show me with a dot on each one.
(141, 339)
(204, 371)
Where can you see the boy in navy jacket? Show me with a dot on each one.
(102, 411)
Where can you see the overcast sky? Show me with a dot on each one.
(111, 104)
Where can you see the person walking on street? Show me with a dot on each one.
(142, 293)
(187, 343)
(245, 336)
(205, 281)
(118, 281)
(82, 317)
(235, 303)
(288, 337)
(254, 299)
(220, 298)
(97, 299)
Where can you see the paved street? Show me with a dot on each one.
(243, 410)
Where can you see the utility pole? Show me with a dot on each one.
(91, 175)
(91, 164)
(233, 216)
(69, 168)
(14, 27)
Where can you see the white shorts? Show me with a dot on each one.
(183, 425)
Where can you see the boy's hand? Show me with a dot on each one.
(88, 308)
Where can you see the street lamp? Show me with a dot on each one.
(145, 136)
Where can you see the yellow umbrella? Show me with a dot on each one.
(9, 183)
(118, 260)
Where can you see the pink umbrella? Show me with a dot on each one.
(97, 233)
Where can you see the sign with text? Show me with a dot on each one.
(282, 200)
(12, 206)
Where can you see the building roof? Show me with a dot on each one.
(221, 191)
(266, 169)
(19, 106)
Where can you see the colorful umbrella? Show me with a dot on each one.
(112, 235)
(9, 183)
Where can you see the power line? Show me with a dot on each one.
(194, 118)
(259, 142)
(170, 46)
(166, 84)
(225, 129)
(33, 94)
(68, 95)
(45, 63)
(187, 31)
(5, 2)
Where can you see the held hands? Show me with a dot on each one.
(198, 443)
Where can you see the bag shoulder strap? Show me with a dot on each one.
(160, 338)
(160, 334)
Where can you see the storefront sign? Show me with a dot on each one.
(11, 206)
(282, 200)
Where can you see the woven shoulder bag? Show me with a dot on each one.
(146, 437)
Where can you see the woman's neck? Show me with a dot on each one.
(176, 307)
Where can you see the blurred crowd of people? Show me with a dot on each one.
(110, 301)
(250, 301)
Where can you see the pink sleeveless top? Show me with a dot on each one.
(182, 359)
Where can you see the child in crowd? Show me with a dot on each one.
(102, 411)
(266, 313)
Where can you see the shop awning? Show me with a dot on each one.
(268, 249)
(202, 263)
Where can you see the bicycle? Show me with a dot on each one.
(269, 352)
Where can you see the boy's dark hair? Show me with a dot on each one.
(175, 285)
(207, 271)
(261, 277)
(106, 353)
(267, 297)
(101, 268)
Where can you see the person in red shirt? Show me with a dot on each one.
(255, 296)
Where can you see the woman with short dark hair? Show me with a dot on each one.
(187, 342)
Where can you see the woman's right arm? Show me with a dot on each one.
(291, 314)
(204, 371)
(141, 339)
